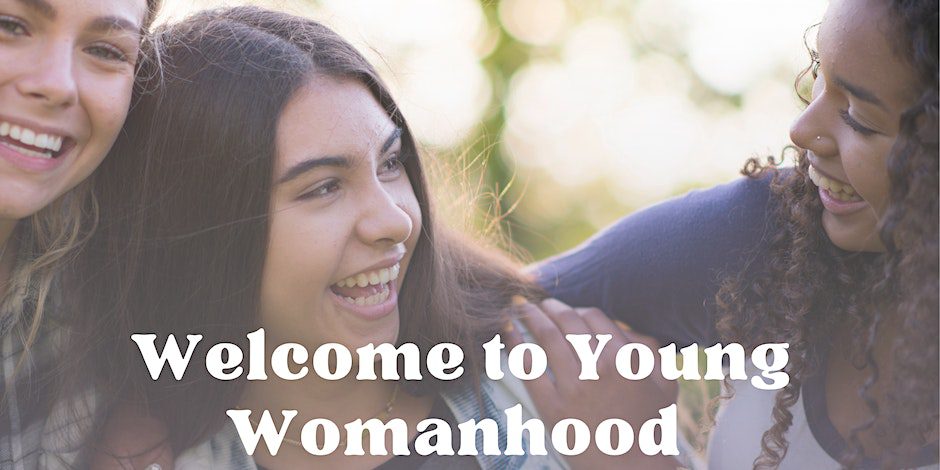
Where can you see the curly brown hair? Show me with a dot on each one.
(808, 289)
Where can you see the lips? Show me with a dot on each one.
(838, 197)
(33, 142)
(33, 148)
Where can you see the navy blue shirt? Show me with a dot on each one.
(658, 270)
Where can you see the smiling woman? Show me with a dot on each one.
(65, 86)
(347, 211)
(852, 122)
(836, 257)
(281, 188)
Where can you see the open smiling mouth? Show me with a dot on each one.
(839, 191)
(370, 288)
(34, 144)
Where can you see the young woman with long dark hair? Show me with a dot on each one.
(65, 86)
(266, 178)
(837, 257)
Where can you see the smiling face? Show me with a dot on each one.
(852, 122)
(65, 87)
(344, 221)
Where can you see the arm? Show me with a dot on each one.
(658, 270)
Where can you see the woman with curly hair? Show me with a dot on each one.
(65, 86)
(837, 257)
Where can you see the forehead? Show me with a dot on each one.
(328, 117)
(857, 41)
(81, 11)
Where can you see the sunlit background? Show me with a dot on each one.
(564, 115)
(574, 113)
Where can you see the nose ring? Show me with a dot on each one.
(818, 137)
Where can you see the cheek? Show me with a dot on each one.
(106, 101)
(301, 259)
(866, 169)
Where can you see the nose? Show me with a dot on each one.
(50, 78)
(382, 220)
(812, 128)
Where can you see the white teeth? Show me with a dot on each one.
(840, 191)
(28, 137)
(380, 277)
(373, 278)
(31, 137)
(374, 299)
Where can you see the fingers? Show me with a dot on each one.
(599, 323)
(542, 389)
(567, 319)
(549, 322)
(669, 387)
(546, 332)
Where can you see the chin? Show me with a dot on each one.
(859, 236)
(14, 208)
(375, 334)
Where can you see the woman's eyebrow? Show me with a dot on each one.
(311, 164)
(391, 139)
(114, 23)
(334, 161)
(859, 92)
(42, 7)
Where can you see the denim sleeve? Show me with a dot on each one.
(658, 270)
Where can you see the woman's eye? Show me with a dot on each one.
(12, 26)
(107, 52)
(855, 125)
(392, 165)
(324, 189)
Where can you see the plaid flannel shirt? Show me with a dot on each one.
(37, 431)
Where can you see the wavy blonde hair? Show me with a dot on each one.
(47, 240)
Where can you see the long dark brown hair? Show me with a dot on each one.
(185, 200)
(810, 288)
